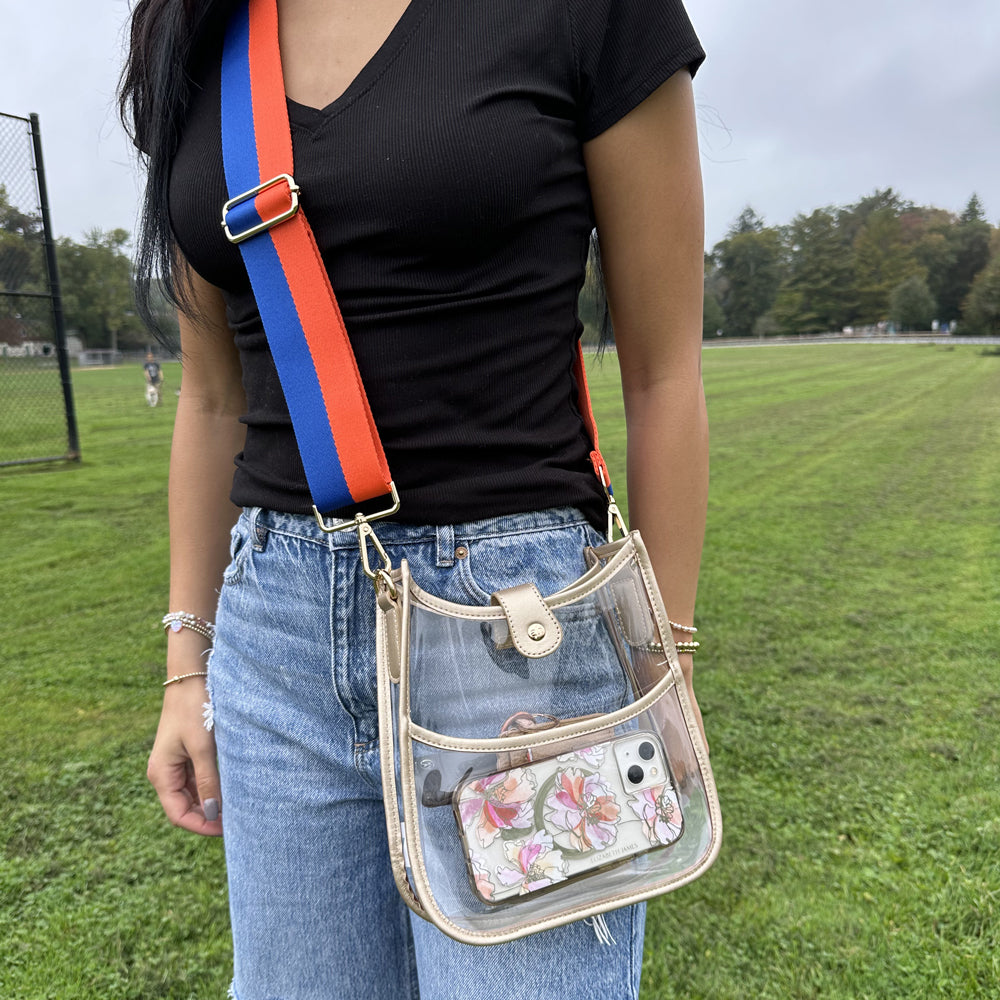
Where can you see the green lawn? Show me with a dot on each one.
(849, 608)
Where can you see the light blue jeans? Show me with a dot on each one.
(315, 912)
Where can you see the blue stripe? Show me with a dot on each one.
(239, 142)
(298, 376)
(274, 299)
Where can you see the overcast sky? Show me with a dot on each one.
(802, 104)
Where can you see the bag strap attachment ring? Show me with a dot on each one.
(361, 523)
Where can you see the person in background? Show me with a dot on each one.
(154, 378)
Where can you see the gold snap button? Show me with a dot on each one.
(536, 631)
(461, 552)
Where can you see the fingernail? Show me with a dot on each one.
(211, 809)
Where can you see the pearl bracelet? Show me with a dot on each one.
(183, 677)
(689, 629)
(176, 620)
(687, 647)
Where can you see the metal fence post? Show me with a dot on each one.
(73, 451)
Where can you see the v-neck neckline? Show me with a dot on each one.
(392, 45)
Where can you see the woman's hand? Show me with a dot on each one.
(182, 765)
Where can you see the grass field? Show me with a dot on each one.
(850, 611)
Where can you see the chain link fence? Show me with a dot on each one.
(37, 423)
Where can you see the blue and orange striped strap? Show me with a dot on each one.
(341, 452)
(338, 441)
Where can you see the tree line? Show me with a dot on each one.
(95, 277)
(882, 263)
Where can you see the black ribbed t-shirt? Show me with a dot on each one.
(448, 195)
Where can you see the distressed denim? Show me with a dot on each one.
(315, 912)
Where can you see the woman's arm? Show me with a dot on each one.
(207, 434)
(645, 180)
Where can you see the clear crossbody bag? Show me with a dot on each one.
(541, 760)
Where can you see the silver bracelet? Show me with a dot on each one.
(176, 620)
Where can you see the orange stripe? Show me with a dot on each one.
(359, 449)
(267, 87)
(587, 412)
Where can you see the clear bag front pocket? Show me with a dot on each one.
(544, 822)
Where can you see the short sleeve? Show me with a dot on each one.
(624, 50)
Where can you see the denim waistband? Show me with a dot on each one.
(304, 526)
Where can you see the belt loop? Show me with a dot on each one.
(445, 545)
(258, 531)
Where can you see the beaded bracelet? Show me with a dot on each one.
(687, 647)
(183, 677)
(176, 620)
(690, 629)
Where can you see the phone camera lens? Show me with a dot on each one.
(646, 751)
(430, 794)
(635, 774)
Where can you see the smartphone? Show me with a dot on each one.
(526, 829)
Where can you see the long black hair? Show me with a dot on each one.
(168, 41)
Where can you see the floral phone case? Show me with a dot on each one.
(529, 828)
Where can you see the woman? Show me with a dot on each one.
(453, 160)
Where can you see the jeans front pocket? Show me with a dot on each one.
(239, 549)
(550, 559)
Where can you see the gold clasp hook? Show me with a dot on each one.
(383, 575)
(615, 518)
(366, 532)
(614, 512)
